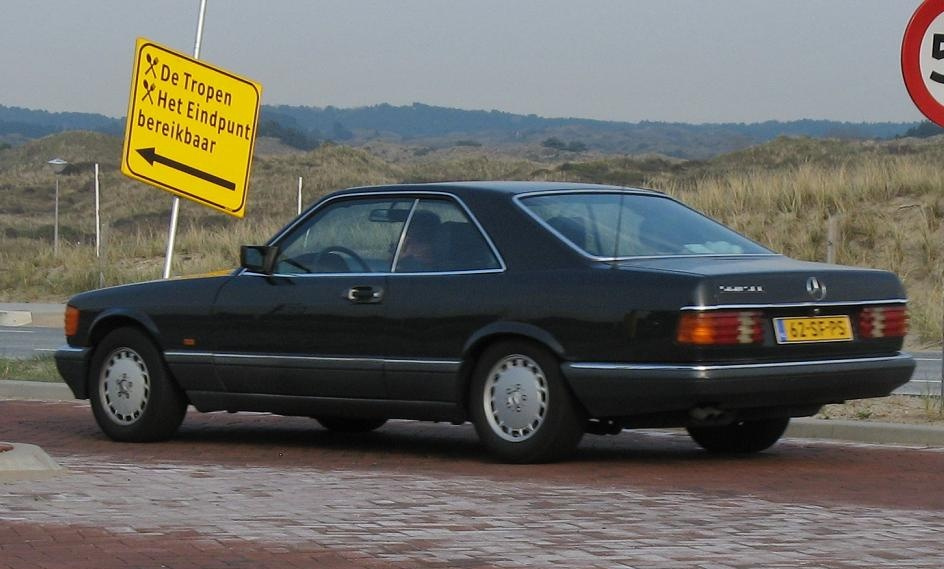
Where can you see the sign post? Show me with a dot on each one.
(175, 203)
(191, 129)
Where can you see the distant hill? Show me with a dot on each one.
(438, 127)
(30, 124)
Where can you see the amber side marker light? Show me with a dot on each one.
(71, 320)
(721, 328)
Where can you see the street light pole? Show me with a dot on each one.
(55, 238)
(57, 165)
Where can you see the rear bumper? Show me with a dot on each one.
(626, 389)
(73, 364)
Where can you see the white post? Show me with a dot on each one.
(299, 195)
(98, 219)
(175, 208)
(832, 235)
(58, 165)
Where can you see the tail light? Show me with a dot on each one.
(883, 322)
(71, 320)
(721, 328)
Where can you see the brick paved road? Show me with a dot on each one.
(261, 491)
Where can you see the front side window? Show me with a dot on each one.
(440, 237)
(619, 225)
(347, 236)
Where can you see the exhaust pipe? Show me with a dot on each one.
(709, 415)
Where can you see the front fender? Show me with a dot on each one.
(113, 318)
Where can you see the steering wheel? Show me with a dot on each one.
(345, 251)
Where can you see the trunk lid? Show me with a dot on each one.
(786, 292)
(775, 279)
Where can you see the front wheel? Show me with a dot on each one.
(740, 437)
(133, 397)
(520, 406)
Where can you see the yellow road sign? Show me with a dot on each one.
(191, 128)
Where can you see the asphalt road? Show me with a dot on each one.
(29, 341)
(927, 376)
(265, 491)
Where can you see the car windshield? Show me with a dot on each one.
(620, 225)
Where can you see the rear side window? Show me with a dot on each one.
(619, 225)
(440, 237)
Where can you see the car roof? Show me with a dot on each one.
(494, 187)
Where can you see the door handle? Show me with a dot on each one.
(364, 294)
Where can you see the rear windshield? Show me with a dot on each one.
(619, 225)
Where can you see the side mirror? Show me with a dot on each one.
(258, 258)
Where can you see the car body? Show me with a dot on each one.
(537, 310)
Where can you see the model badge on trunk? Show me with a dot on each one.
(741, 288)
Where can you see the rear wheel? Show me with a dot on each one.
(346, 425)
(133, 397)
(521, 408)
(742, 437)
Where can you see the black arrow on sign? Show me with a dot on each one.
(151, 155)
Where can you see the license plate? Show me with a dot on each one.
(806, 330)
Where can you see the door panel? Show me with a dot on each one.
(301, 336)
(431, 317)
(316, 327)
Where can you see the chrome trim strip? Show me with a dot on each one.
(422, 362)
(604, 189)
(276, 357)
(799, 304)
(380, 194)
(318, 275)
(70, 349)
(630, 191)
(691, 367)
(186, 355)
(694, 255)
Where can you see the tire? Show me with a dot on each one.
(133, 397)
(345, 425)
(740, 437)
(521, 408)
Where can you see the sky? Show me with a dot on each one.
(627, 60)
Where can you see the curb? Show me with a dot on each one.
(866, 432)
(15, 318)
(20, 461)
(35, 390)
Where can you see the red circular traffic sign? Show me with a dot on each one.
(922, 59)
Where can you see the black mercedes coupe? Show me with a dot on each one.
(539, 311)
